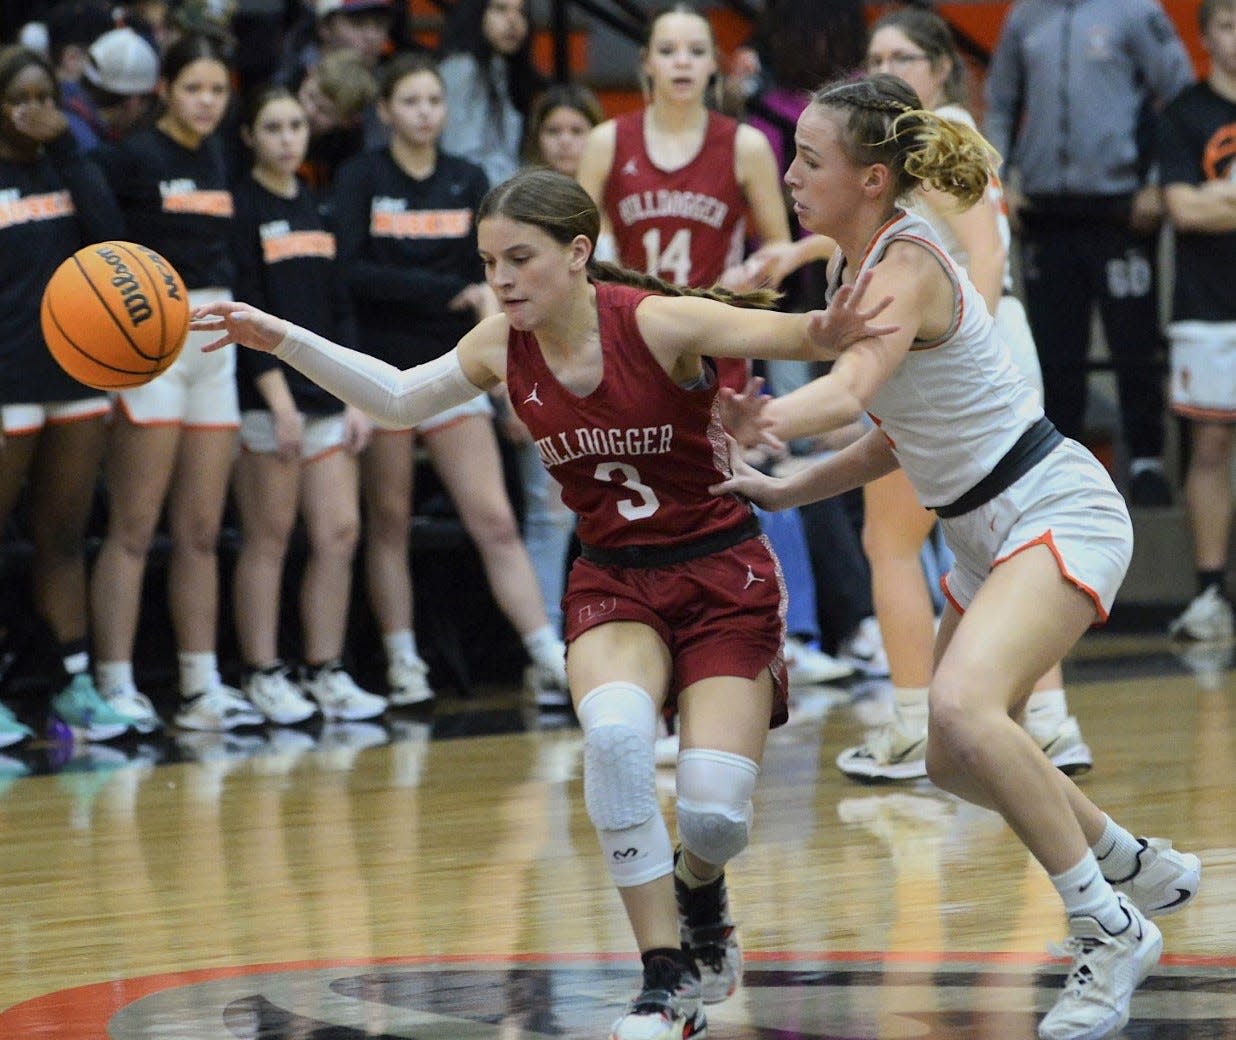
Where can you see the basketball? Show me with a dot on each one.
(115, 315)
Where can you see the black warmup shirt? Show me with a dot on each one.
(285, 264)
(176, 201)
(48, 210)
(406, 248)
(1197, 143)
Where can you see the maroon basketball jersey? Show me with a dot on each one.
(687, 226)
(635, 457)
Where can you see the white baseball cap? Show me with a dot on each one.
(122, 61)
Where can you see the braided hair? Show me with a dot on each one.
(558, 206)
(887, 124)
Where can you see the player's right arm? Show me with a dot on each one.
(397, 398)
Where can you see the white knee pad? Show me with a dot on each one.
(620, 785)
(714, 803)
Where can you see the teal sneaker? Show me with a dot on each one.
(11, 731)
(80, 707)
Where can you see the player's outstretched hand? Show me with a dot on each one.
(747, 481)
(240, 323)
(742, 415)
(846, 321)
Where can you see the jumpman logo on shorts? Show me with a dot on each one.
(534, 397)
(752, 579)
(631, 168)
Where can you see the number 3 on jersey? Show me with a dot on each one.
(639, 508)
(674, 263)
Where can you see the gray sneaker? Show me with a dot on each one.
(217, 710)
(339, 697)
(1207, 619)
(274, 695)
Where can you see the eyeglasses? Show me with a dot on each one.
(896, 60)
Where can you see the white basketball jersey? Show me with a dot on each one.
(955, 405)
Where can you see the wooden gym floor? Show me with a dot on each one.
(437, 877)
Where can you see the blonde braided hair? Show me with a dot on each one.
(888, 125)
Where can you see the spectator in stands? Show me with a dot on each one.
(359, 27)
(336, 94)
(53, 429)
(72, 26)
(562, 118)
(405, 220)
(798, 44)
(174, 438)
(490, 83)
(117, 88)
(299, 445)
(1072, 92)
(1199, 181)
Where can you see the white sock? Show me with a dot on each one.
(1047, 704)
(1140, 465)
(910, 704)
(114, 675)
(1085, 891)
(1116, 852)
(400, 645)
(199, 672)
(76, 663)
(544, 646)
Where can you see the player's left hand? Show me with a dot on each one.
(747, 481)
(845, 321)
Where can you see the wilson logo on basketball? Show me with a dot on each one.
(123, 281)
(171, 280)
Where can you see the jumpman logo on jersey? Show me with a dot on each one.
(534, 397)
(631, 167)
(752, 579)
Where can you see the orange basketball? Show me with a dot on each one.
(115, 315)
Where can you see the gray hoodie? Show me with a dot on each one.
(1070, 86)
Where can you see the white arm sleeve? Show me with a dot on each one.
(395, 398)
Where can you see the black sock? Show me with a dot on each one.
(1217, 578)
(674, 953)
